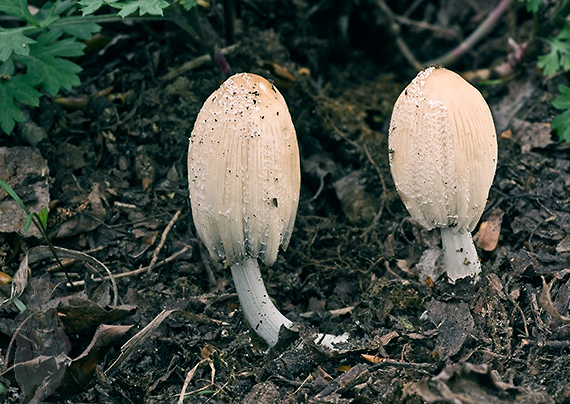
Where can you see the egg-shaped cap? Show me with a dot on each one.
(244, 171)
(442, 150)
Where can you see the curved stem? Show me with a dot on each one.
(259, 310)
(480, 32)
(460, 255)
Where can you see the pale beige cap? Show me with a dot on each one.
(244, 171)
(442, 150)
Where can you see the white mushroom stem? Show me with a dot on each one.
(461, 258)
(258, 308)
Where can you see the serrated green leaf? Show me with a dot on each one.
(559, 56)
(7, 69)
(18, 9)
(50, 19)
(152, 7)
(188, 4)
(80, 30)
(561, 124)
(13, 41)
(62, 6)
(25, 91)
(14, 89)
(563, 100)
(46, 65)
(90, 6)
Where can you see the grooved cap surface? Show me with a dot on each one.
(244, 171)
(442, 150)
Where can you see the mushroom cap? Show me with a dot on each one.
(442, 150)
(244, 171)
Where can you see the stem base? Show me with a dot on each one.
(460, 255)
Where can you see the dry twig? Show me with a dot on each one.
(163, 240)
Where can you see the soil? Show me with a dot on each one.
(357, 263)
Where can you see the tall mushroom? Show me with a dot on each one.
(244, 181)
(443, 155)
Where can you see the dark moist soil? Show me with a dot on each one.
(356, 263)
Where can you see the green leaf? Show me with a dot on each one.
(14, 89)
(63, 6)
(188, 4)
(152, 7)
(45, 63)
(43, 217)
(18, 303)
(561, 124)
(28, 222)
(91, 6)
(563, 100)
(81, 30)
(18, 9)
(13, 41)
(13, 195)
(532, 6)
(559, 56)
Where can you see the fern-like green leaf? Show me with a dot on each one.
(14, 89)
(561, 124)
(13, 41)
(152, 7)
(559, 56)
(18, 9)
(45, 63)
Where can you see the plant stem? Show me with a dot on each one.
(460, 255)
(482, 30)
(43, 231)
(259, 310)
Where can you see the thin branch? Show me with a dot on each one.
(197, 62)
(140, 270)
(422, 25)
(163, 240)
(395, 30)
(482, 30)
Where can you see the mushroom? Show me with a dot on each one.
(443, 155)
(244, 181)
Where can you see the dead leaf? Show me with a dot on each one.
(140, 337)
(454, 323)
(207, 350)
(468, 383)
(263, 393)
(373, 358)
(81, 370)
(5, 279)
(358, 204)
(81, 315)
(40, 377)
(430, 265)
(487, 237)
(89, 215)
(145, 169)
(531, 135)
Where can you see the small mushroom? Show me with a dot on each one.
(244, 182)
(443, 155)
